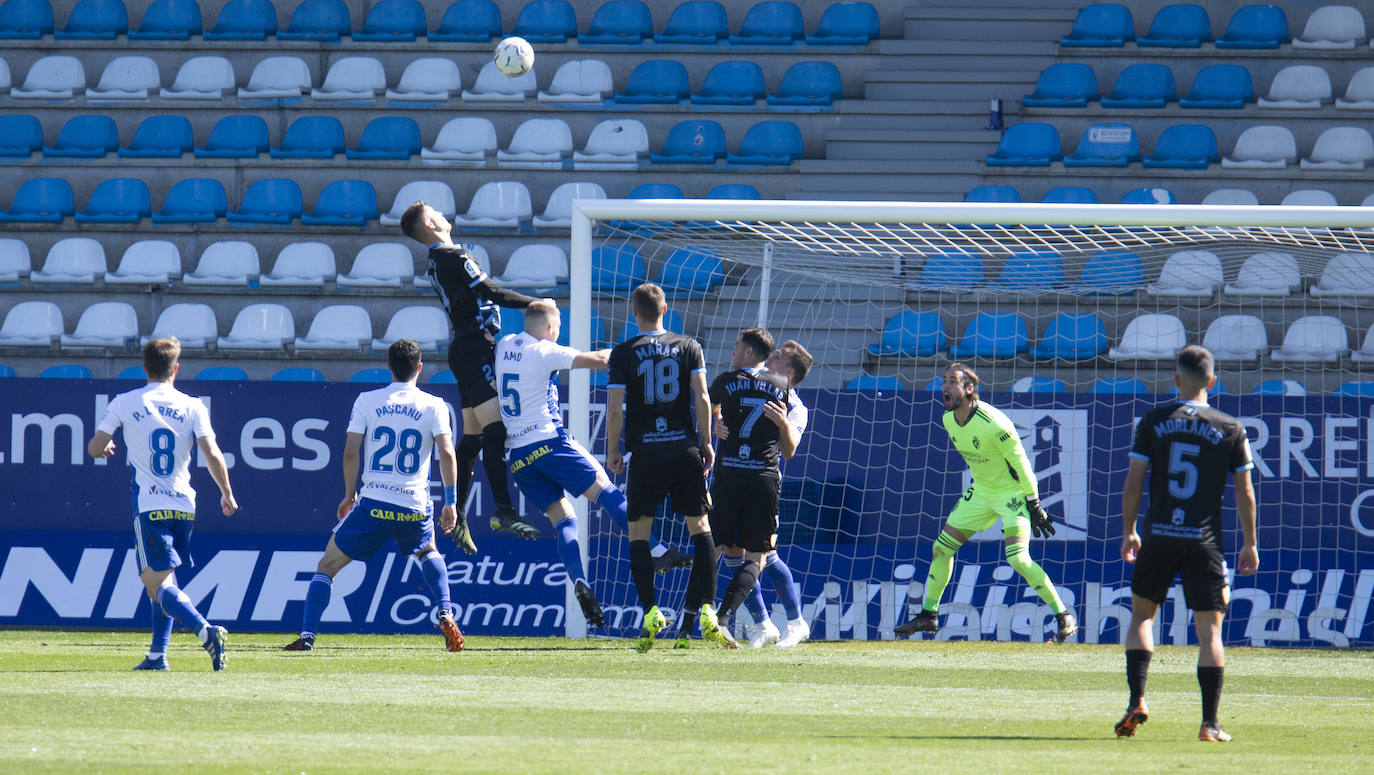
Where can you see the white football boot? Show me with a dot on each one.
(765, 635)
(797, 631)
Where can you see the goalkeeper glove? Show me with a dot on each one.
(1041, 523)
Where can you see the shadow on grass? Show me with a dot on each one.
(1026, 738)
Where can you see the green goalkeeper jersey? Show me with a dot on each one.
(992, 448)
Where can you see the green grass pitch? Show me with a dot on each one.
(359, 703)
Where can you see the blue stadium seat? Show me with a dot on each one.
(1217, 389)
(655, 82)
(67, 371)
(393, 21)
(298, 374)
(193, 200)
(444, 377)
(1185, 147)
(95, 20)
(546, 21)
(691, 272)
(1220, 86)
(1105, 145)
(732, 83)
(371, 375)
(770, 23)
(132, 372)
(20, 135)
(1028, 144)
(700, 22)
(169, 20)
(1178, 26)
(671, 322)
(1073, 336)
(1070, 195)
(84, 137)
(919, 333)
(733, 191)
(1039, 385)
(696, 141)
(1280, 387)
(1356, 389)
(469, 20)
(235, 137)
(272, 200)
(1149, 195)
(873, 383)
(344, 203)
(223, 374)
(1256, 26)
(41, 200)
(1111, 272)
(244, 20)
(512, 322)
(1142, 86)
(993, 335)
(117, 200)
(311, 137)
(1119, 385)
(160, 137)
(25, 19)
(1031, 271)
(808, 84)
(326, 20)
(769, 143)
(846, 24)
(991, 193)
(619, 22)
(1065, 85)
(617, 269)
(388, 137)
(649, 191)
(597, 334)
(950, 272)
(1104, 25)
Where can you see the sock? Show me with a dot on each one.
(613, 501)
(1210, 680)
(569, 549)
(753, 602)
(740, 587)
(941, 566)
(316, 600)
(468, 448)
(701, 581)
(494, 463)
(162, 632)
(781, 577)
(1034, 575)
(729, 566)
(434, 570)
(178, 606)
(642, 571)
(1137, 670)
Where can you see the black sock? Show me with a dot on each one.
(1137, 669)
(740, 587)
(642, 571)
(1210, 680)
(468, 447)
(701, 581)
(494, 463)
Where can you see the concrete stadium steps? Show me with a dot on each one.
(888, 144)
(983, 21)
(865, 180)
(964, 55)
(941, 84)
(961, 114)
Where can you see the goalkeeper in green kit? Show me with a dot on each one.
(1003, 486)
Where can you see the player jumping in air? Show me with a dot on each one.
(1004, 485)
(1187, 447)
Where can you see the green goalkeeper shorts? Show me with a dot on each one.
(978, 511)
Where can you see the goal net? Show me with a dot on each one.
(1071, 315)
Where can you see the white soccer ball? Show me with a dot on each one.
(513, 56)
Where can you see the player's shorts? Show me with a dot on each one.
(366, 529)
(162, 539)
(744, 512)
(671, 472)
(977, 511)
(1202, 566)
(474, 368)
(545, 469)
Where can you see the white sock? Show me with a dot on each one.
(154, 657)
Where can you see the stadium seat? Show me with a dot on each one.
(1070, 195)
(1031, 271)
(1263, 147)
(298, 374)
(558, 209)
(1267, 274)
(95, 20)
(466, 141)
(1256, 26)
(918, 333)
(1341, 148)
(1178, 26)
(72, 260)
(244, 20)
(392, 21)
(537, 266)
(435, 193)
(1298, 87)
(1149, 195)
(808, 85)
(301, 265)
(311, 137)
(1105, 145)
(353, 80)
(993, 335)
(580, 82)
(1185, 147)
(32, 324)
(538, 143)
(1366, 352)
(614, 144)
(20, 136)
(655, 82)
(991, 193)
(513, 322)
(1359, 93)
(1064, 85)
(1073, 336)
(597, 333)
(769, 143)
(193, 200)
(619, 22)
(1142, 86)
(374, 375)
(616, 269)
(1102, 25)
(380, 265)
(160, 137)
(260, 327)
(131, 372)
(1150, 337)
(546, 21)
(733, 191)
(103, 324)
(25, 19)
(1230, 196)
(427, 325)
(1280, 387)
(873, 383)
(277, 78)
(41, 200)
(497, 204)
(952, 271)
(235, 137)
(648, 191)
(1028, 144)
(388, 137)
(1111, 272)
(133, 78)
(734, 82)
(1039, 385)
(691, 272)
(117, 200)
(698, 22)
(1309, 197)
(479, 254)
(201, 78)
(1236, 338)
(1195, 273)
(1356, 389)
(695, 141)
(14, 260)
(1220, 87)
(344, 203)
(428, 79)
(67, 371)
(846, 24)
(671, 322)
(474, 21)
(222, 374)
(1347, 274)
(770, 23)
(147, 262)
(492, 85)
(1129, 385)
(322, 20)
(1332, 27)
(227, 262)
(84, 137)
(1314, 338)
(338, 328)
(272, 200)
(55, 77)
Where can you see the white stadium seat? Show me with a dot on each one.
(1189, 273)
(539, 266)
(495, 86)
(1263, 147)
(580, 81)
(201, 78)
(1236, 337)
(498, 204)
(354, 79)
(193, 324)
(538, 143)
(1314, 338)
(1347, 274)
(618, 143)
(127, 78)
(1267, 274)
(301, 264)
(428, 79)
(104, 324)
(380, 265)
(1298, 87)
(14, 260)
(339, 328)
(466, 141)
(1230, 196)
(434, 192)
(1332, 27)
(57, 77)
(260, 327)
(1150, 337)
(558, 210)
(147, 262)
(427, 325)
(228, 262)
(72, 260)
(32, 324)
(1341, 148)
(276, 78)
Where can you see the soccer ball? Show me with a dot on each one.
(513, 56)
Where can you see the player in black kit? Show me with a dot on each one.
(473, 303)
(660, 377)
(1188, 449)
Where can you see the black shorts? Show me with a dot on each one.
(672, 472)
(1202, 566)
(474, 368)
(744, 512)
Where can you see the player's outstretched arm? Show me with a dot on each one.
(1248, 562)
(100, 445)
(595, 360)
(702, 401)
(1130, 508)
(615, 421)
(219, 471)
(501, 297)
(352, 448)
